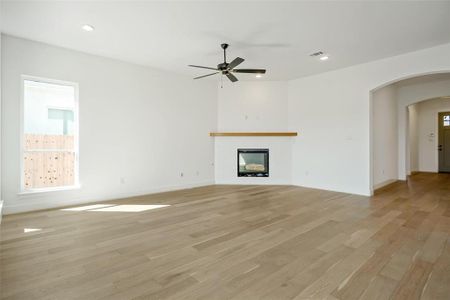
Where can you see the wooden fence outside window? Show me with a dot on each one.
(49, 161)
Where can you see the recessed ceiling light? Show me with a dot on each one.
(325, 57)
(258, 75)
(87, 27)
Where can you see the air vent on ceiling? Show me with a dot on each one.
(319, 53)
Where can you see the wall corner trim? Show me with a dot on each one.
(1, 210)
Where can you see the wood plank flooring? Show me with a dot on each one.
(236, 242)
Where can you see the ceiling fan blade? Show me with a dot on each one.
(194, 66)
(232, 77)
(206, 75)
(254, 71)
(237, 61)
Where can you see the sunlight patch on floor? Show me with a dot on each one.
(27, 230)
(87, 207)
(117, 207)
(130, 208)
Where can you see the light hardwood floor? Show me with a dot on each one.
(237, 242)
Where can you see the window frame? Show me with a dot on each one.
(76, 184)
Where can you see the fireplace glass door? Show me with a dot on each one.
(253, 162)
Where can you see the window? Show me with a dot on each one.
(50, 134)
(447, 120)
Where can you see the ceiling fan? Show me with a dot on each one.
(228, 69)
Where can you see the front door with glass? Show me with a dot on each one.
(444, 142)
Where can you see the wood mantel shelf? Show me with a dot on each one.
(253, 134)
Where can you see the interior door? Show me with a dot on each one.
(444, 142)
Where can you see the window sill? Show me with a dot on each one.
(50, 190)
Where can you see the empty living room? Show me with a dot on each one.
(224, 149)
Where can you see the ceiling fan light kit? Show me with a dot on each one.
(228, 69)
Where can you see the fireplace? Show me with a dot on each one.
(253, 162)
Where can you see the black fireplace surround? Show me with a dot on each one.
(253, 162)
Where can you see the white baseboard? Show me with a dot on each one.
(1, 210)
(350, 191)
(384, 183)
(14, 209)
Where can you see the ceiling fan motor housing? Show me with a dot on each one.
(222, 66)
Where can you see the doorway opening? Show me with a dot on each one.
(404, 137)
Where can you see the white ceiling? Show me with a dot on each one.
(275, 35)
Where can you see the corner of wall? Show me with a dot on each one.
(1, 210)
(1, 201)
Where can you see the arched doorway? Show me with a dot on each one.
(390, 107)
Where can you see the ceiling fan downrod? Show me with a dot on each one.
(224, 47)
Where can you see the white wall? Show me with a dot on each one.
(149, 126)
(428, 133)
(413, 136)
(253, 106)
(1, 197)
(136, 123)
(332, 112)
(385, 139)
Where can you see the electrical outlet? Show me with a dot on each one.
(181, 174)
